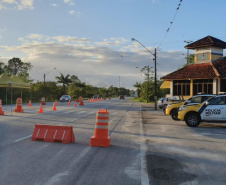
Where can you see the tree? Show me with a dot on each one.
(17, 67)
(74, 78)
(65, 80)
(138, 86)
(1, 68)
(190, 60)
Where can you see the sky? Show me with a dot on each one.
(92, 38)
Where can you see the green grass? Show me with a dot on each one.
(136, 99)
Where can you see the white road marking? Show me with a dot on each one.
(21, 139)
(143, 149)
(81, 112)
(114, 113)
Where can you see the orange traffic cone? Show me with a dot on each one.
(54, 106)
(69, 102)
(19, 105)
(88, 100)
(101, 137)
(56, 103)
(41, 109)
(75, 104)
(29, 103)
(1, 111)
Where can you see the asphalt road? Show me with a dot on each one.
(26, 162)
(178, 154)
(147, 147)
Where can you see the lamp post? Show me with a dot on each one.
(154, 54)
(188, 42)
(45, 80)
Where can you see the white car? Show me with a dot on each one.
(213, 110)
(65, 98)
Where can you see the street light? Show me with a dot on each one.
(45, 80)
(154, 54)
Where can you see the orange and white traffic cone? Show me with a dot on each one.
(19, 105)
(54, 106)
(75, 104)
(41, 109)
(69, 102)
(101, 137)
(29, 103)
(1, 111)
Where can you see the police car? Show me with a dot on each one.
(172, 109)
(212, 110)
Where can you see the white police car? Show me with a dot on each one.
(213, 110)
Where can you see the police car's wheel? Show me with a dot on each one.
(174, 114)
(192, 119)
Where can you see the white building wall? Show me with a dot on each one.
(214, 86)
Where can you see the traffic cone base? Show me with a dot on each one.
(1, 112)
(41, 109)
(29, 103)
(104, 142)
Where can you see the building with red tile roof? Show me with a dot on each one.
(207, 75)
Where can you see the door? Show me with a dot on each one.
(215, 110)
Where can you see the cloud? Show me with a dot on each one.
(70, 39)
(54, 5)
(35, 36)
(71, 12)
(69, 2)
(96, 63)
(26, 4)
(19, 4)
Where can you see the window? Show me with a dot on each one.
(203, 86)
(203, 56)
(181, 87)
(223, 85)
(217, 101)
(196, 99)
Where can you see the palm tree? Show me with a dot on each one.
(138, 86)
(65, 80)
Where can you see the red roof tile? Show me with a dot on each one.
(220, 66)
(205, 42)
(198, 71)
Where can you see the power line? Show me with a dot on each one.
(171, 23)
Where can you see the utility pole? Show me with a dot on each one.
(155, 58)
(188, 42)
(155, 98)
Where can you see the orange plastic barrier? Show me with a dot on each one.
(101, 137)
(29, 103)
(40, 109)
(51, 133)
(1, 111)
(19, 105)
(43, 101)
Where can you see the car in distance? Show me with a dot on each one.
(212, 110)
(65, 98)
(160, 103)
(95, 96)
(172, 109)
(122, 97)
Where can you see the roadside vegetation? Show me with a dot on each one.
(51, 90)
